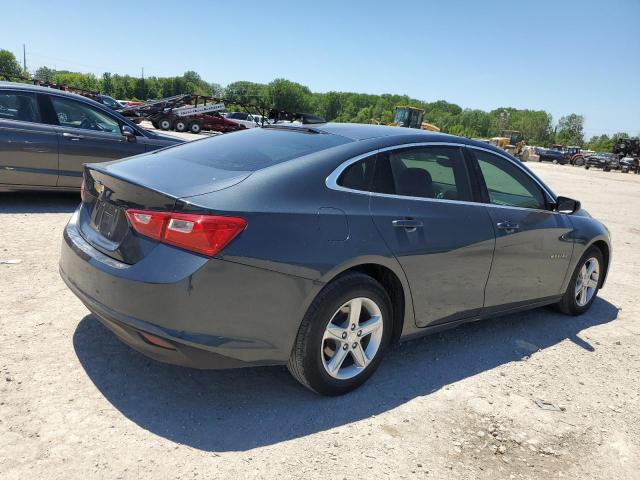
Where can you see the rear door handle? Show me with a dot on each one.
(72, 136)
(508, 226)
(407, 223)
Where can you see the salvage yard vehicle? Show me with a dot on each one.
(605, 161)
(317, 246)
(551, 155)
(628, 150)
(245, 119)
(193, 113)
(213, 121)
(574, 156)
(629, 164)
(47, 134)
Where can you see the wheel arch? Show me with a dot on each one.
(606, 253)
(392, 279)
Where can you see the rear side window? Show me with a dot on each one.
(256, 148)
(425, 172)
(358, 175)
(16, 105)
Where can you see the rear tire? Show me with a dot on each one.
(337, 349)
(583, 283)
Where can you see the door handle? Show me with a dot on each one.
(508, 226)
(72, 136)
(407, 223)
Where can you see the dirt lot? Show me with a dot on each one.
(76, 403)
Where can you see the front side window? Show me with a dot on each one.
(71, 113)
(16, 105)
(507, 184)
(426, 172)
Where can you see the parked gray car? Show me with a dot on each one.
(46, 135)
(318, 247)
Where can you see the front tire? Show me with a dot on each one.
(584, 284)
(343, 335)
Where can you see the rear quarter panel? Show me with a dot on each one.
(296, 225)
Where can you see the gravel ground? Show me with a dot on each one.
(76, 403)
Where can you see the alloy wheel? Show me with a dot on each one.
(352, 338)
(587, 281)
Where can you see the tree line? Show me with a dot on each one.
(536, 126)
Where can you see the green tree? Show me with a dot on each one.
(570, 130)
(44, 74)
(289, 96)
(10, 69)
(107, 84)
(600, 143)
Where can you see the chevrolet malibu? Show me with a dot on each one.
(319, 246)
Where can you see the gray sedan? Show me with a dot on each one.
(46, 135)
(319, 247)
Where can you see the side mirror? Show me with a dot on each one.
(128, 133)
(567, 205)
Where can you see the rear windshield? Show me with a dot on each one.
(254, 149)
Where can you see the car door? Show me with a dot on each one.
(421, 203)
(28, 147)
(87, 134)
(533, 248)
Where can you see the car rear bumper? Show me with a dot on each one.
(214, 313)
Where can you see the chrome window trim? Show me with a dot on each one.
(332, 180)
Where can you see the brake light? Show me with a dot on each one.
(205, 234)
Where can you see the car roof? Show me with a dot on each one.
(48, 90)
(360, 131)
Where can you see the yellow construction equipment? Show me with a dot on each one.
(509, 140)
(411, 117)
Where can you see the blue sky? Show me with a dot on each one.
(562, 56)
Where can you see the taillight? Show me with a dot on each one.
(206, 234)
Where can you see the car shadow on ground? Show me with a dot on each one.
(248, 408)
(38, 202)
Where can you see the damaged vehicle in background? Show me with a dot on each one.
(551, 155)
(605, 161)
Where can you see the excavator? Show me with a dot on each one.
(409, 117)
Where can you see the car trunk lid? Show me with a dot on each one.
(107, 195)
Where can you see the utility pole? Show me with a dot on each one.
(24, 57)
(142, 73)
